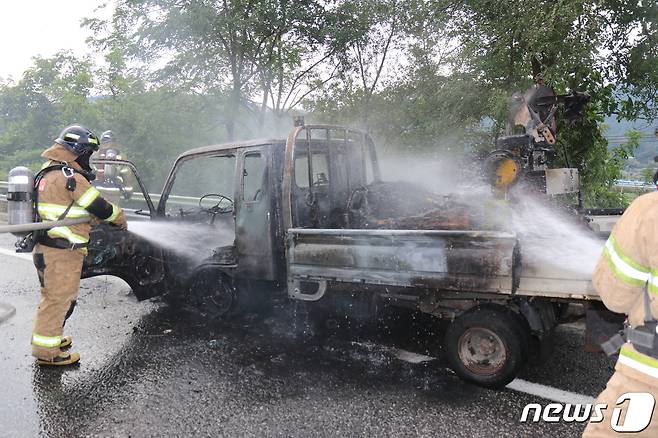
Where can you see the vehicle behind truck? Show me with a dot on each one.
(311, 219)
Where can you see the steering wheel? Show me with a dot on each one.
(217, 207)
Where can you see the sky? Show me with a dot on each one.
(41, 27)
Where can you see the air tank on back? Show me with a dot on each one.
(20, 193)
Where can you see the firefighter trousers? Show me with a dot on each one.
(618, 385)
(59, 276)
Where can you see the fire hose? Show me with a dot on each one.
(26, 228)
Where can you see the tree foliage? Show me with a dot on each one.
(231, 50)
(154, 125)
(417, 74)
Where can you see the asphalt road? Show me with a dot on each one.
(150, 370)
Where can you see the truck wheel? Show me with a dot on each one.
(486, 346)
(212, 295)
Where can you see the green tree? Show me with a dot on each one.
(50, 95)
(647, 175)
(233, 51)
(494, 48)
(153, 124)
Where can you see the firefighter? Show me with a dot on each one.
(63, 190)
(114, 182)
(626, 278)
(110, 148)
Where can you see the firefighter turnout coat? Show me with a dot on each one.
(626, 270)
(54, 198)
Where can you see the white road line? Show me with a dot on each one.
(519, 385)
(11, 253)
(411, 357)
(548, 392)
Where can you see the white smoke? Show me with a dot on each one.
(549, 236)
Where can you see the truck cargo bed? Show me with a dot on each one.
(556, 277)
(451, 260)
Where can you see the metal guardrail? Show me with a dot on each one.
(620, 185)
(182, 200)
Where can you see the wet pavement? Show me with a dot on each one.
(150, 370)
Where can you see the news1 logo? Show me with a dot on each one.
(638, 412)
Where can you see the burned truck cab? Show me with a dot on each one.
(241, 198)
(227, 196)
(217, 215)
(231, 206)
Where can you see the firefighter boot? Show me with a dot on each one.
(66, 342)
(61, 359)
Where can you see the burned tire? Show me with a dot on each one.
(212, 295)
(486, 346)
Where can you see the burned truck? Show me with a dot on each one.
(309, 218)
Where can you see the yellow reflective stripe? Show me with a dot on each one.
(66, 233)
(54, 211)
(640, 362)
(88, 197)
(617, 249)
(115, 213)
(49, 216)
(625, 268)
(59, 209)
(46, 341)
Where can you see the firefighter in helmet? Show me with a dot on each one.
(64, 191)
(113, 180)
(626, 278)
(110, 148)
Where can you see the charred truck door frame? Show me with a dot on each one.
(115, 252)
(171, 178)
(138, 178)
(255, 218)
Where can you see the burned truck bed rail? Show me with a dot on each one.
(467, 261)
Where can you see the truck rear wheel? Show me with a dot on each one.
(486, 346)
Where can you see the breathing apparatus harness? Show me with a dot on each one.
(27, 243)
(644, 337)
